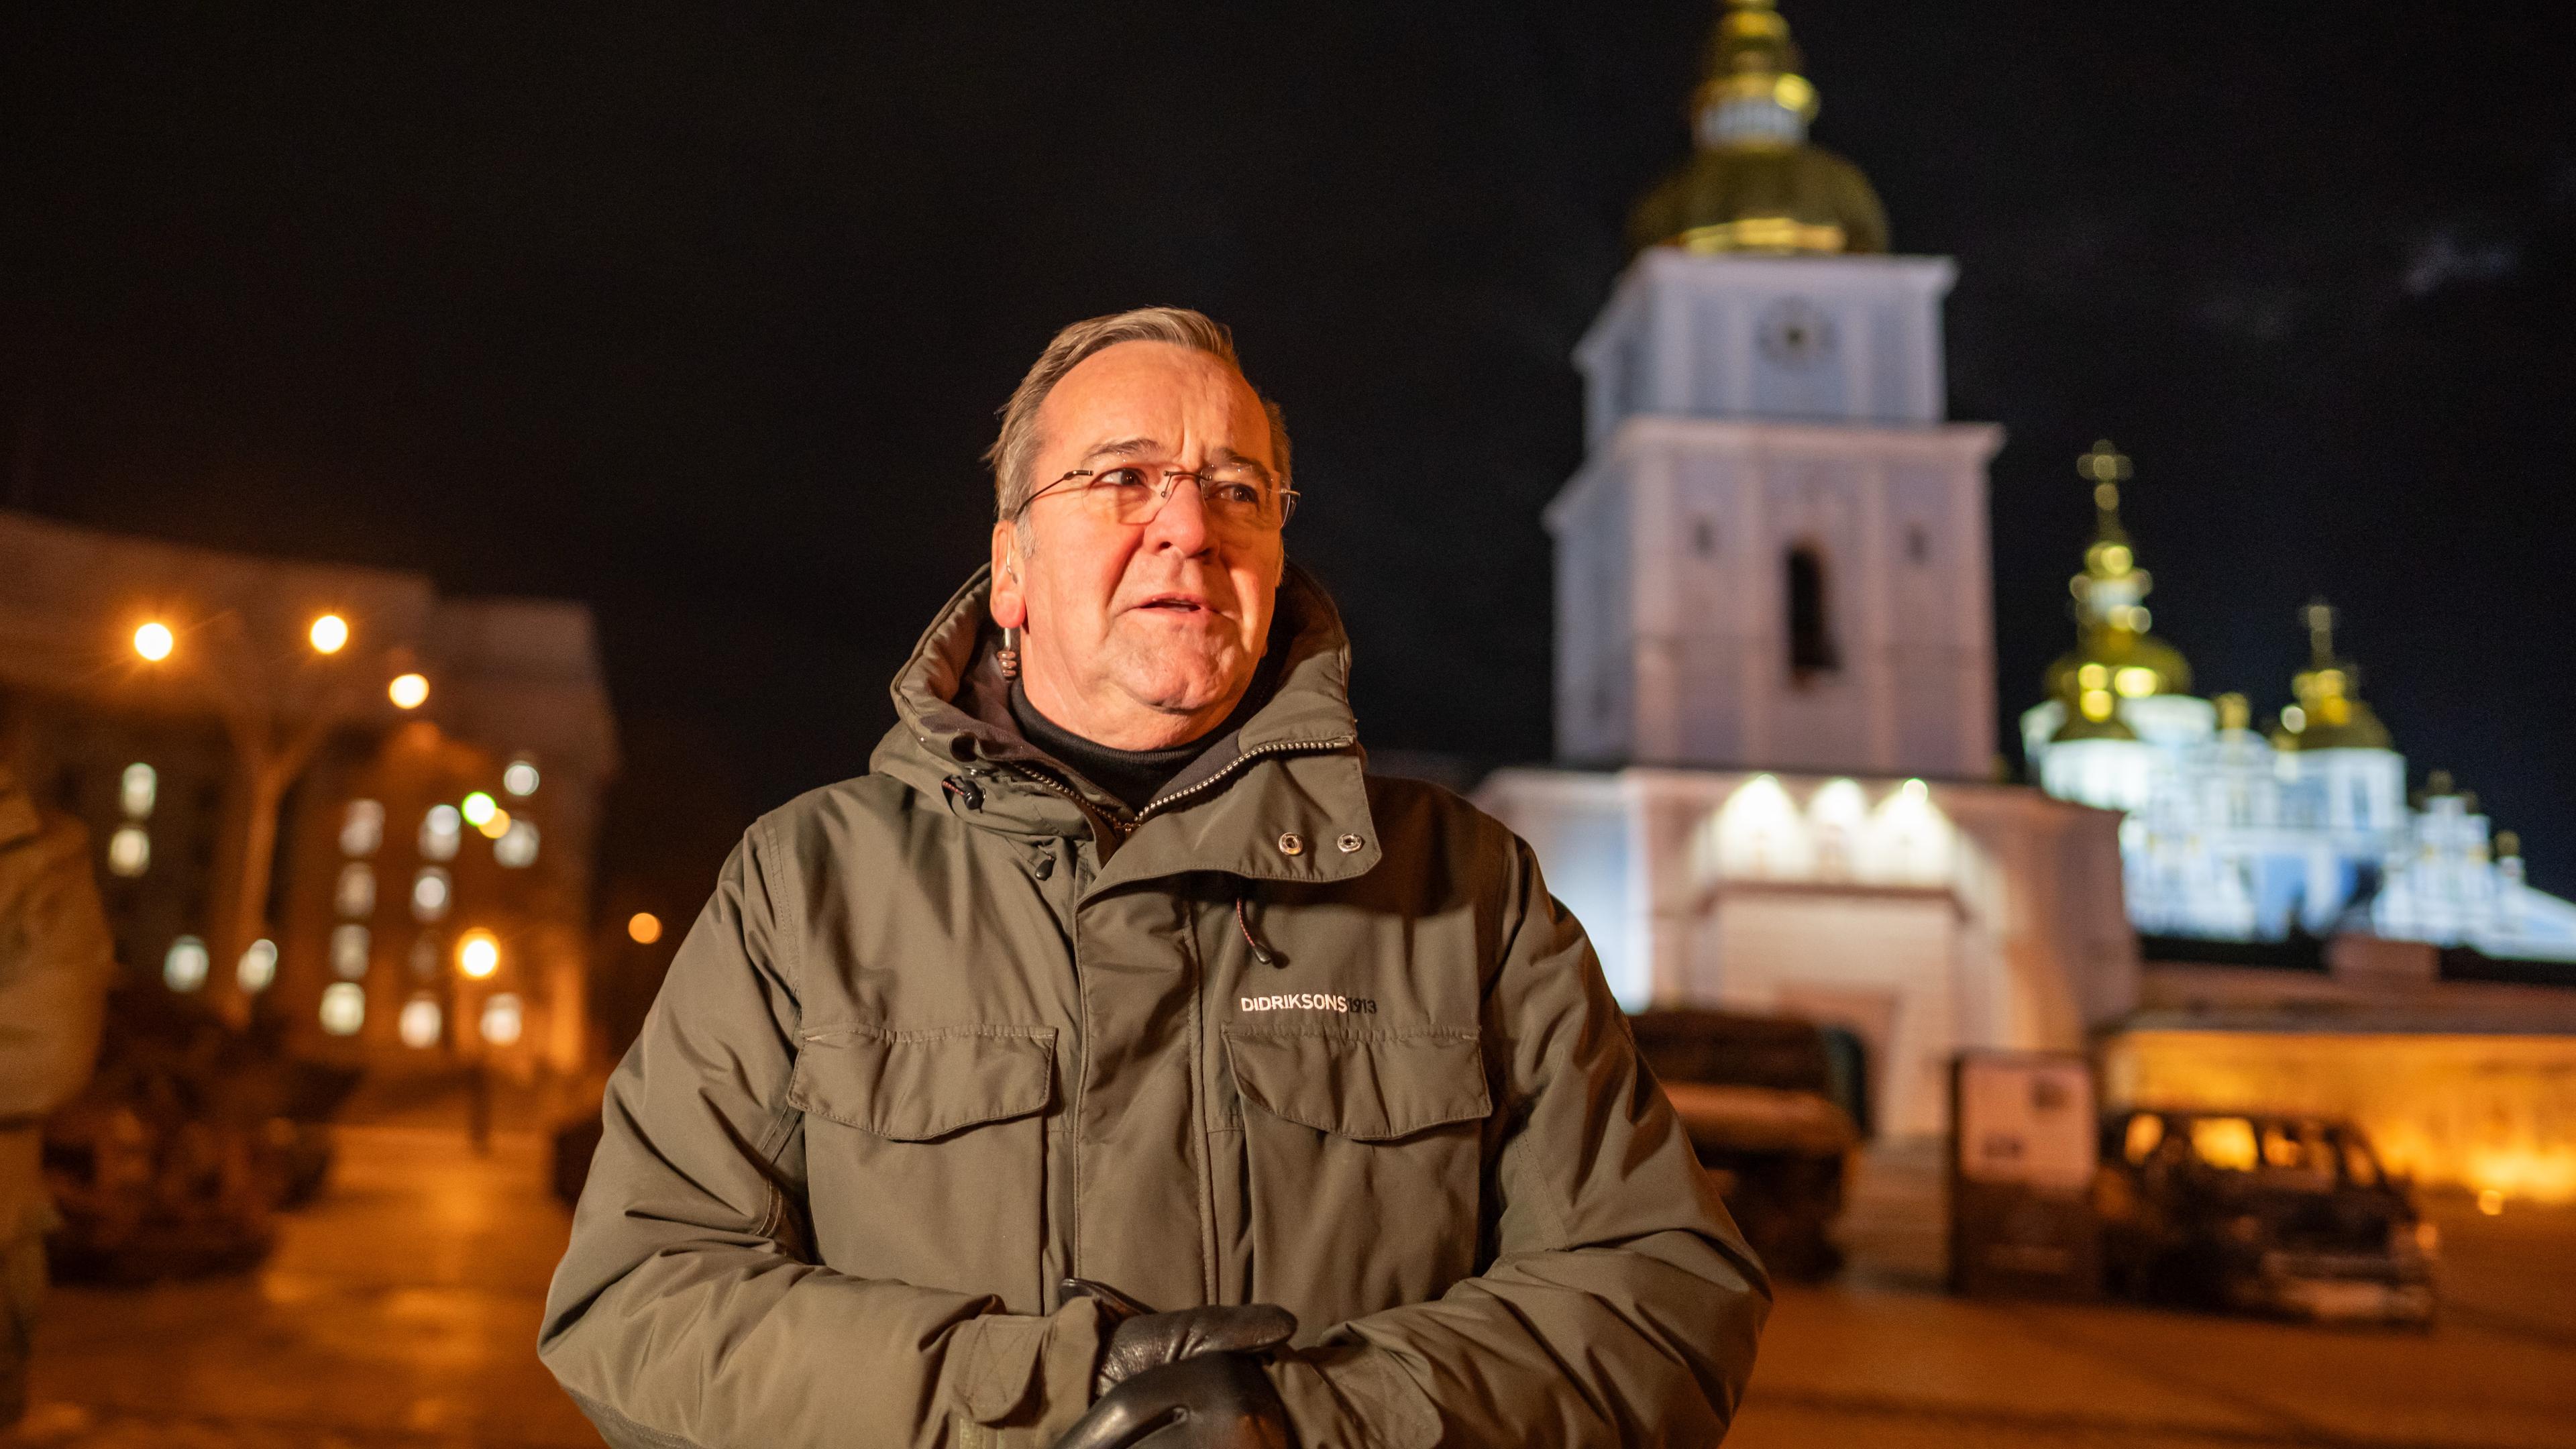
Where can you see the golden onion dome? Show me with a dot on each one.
(2330, 714)
(1755, 184)
(2114, 657)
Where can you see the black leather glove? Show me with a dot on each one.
(1213, 1401)
(1144, 1339)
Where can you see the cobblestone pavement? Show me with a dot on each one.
(401, 1310)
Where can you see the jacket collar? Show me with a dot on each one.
(1293, 768)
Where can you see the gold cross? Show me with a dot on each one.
(2108, 467)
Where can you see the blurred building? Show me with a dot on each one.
(2304, 829)
(323, 798)
(1775, 669)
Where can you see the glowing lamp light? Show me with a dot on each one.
(329, 634)
(477, 808)
(644, 928)
(419, 1023)
(408, 691)
(154, 641)
(186, 965)
(2134, 681)
(502, 1019)
(344, 1008)
(495, 825)
(478, 954)
(257, 967)
(520, 778)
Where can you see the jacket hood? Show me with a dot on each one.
(1292, 768)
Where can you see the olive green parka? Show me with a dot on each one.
(963, 1026)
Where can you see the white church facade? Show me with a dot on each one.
(1775, 675)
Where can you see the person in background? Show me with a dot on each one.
(1119, 1063)
(55, 961)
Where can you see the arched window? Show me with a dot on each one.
(1811, 637)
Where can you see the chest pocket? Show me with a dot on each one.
(1363, 1164)
(925, 1153)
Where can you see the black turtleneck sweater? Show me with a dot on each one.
(1134, 776)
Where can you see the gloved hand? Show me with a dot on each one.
(1144, 1339)
(1213, 1401)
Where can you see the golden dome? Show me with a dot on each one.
(1755, 185)
(2330, 714)
(2114, 657)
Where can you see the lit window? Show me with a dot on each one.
(502, 1019)
(521, 777)
(2224, 1142)
(186, 965)
(429, 892)
(2146, 1132)
(349, 952)
(419, 1022)
(517, 846)
(344, 1008)
(129, 851)
(362, 828)
(440, 829)
(140, 786)
(258, 967)
(356, 896)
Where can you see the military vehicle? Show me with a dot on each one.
(1775, 1107)
(2286, 1216)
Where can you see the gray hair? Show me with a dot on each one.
(1015, 452)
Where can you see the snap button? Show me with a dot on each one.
(1349, 843)
(1292, 844)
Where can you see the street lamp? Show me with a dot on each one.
(329, 633)
(154, 641)
(478, 954)
(408, 691)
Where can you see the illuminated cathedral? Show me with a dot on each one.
(2302, 830)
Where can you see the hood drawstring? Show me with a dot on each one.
(968, 793)
(1243, 923)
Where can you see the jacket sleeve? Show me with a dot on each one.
(687, 1311)
(1618, 1306)
(55, 961)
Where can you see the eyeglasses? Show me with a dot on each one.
(1237, 499)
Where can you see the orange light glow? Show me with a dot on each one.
(154, 641)
(329, 633)
(478, 954)
(644, 928)
(408, 691)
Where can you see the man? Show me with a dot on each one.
(1117, 987)
(55, 960)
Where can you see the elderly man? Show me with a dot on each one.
(1118, 1062)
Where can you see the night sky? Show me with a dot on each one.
(703, 317)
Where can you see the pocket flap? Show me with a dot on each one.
(912, 1086)
(1370, 1087)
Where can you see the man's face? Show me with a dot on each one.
(1140, 635)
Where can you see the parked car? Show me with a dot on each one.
(2282, 1215)
(1774, 1108)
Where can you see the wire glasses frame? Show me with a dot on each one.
(1243, 500)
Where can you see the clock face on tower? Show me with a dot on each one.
(1794, 333)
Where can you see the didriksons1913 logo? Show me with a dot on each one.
(1310, 1001)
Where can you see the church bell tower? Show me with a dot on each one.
(1774, 555)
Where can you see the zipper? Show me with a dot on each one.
(1284, 747)
(1122, 826)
